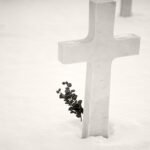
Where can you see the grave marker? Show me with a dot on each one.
(126, 8)
(98, 50)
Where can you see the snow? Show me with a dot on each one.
(32, 117)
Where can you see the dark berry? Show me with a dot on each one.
(72, 91)
(61, 95)
(69, 85)
(74, 96)
(58, 90)
(63, 83)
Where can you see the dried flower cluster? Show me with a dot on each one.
(70, 98)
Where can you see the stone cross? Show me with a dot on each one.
(98, 49)
(126, 8)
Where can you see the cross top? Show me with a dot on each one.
(97, 23)
(98, 49)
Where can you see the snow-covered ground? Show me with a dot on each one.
(32, 117)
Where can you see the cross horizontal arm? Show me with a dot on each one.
(127, 45)
(74, 51)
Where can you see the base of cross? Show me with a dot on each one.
(99, 49)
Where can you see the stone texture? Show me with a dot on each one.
(98, 49)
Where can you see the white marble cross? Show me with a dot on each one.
(98, 50)
(126, 8)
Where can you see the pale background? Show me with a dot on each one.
(32, 117)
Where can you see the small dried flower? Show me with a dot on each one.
(70, 98)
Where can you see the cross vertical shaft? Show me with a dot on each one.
(97, 98)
